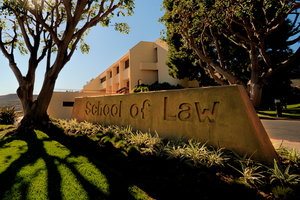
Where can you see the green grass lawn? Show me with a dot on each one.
(292, 112)
(81, 164)
(5, 129)
(37, 167)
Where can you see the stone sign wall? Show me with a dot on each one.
(221, 116)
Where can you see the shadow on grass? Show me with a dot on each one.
(156, 176)
(19, 177)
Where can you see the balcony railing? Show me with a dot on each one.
(123, 90)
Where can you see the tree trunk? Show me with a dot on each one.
(254, 85)
(35, 111)
(255, 90)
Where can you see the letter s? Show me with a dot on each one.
(88, 108)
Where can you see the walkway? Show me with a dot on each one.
(284, 133)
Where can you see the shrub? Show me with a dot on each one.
(155, 87)
(140, 88)
(75, 128)
(163, 86)
(7, 115)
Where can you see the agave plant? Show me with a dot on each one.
(290, 156)
(283, 176)
(79, 128)
(251, 175)
(146, 142)
(174, 151)
(216, 157)
(124, 131)
(196, 152)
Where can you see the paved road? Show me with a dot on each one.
(283, 132)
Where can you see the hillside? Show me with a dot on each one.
(11, 100)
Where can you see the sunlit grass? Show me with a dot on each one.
(10, 152)
(292, 112)
(40, 162)
(4, 126)
(91, 172)
(32, 179)
(5, 129)
(291, 106)
(70, 185)
(138, 193)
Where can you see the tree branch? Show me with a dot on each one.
(243, 38)
(49, 55)
(11, 60)
(78, 11)
(46, 26)
(296, 19)
(68, 8)
(280, 18)
(217, 48)
(286, 65)
(234, 41)
(96, 19)
(232, 79)
(13, 41)
(294, 41)
(21, 23)
(215, 77)
(43, 54)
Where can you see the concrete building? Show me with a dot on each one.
(61, 104)
(144, 63)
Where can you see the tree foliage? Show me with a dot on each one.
(50, 30)
(234, 40)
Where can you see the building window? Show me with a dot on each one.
(110, 74)
(127, 84)
(68, 103)
(118, 69)
(155, 55)
(126, 64)
(103, 79)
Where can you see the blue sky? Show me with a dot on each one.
(107, 46)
